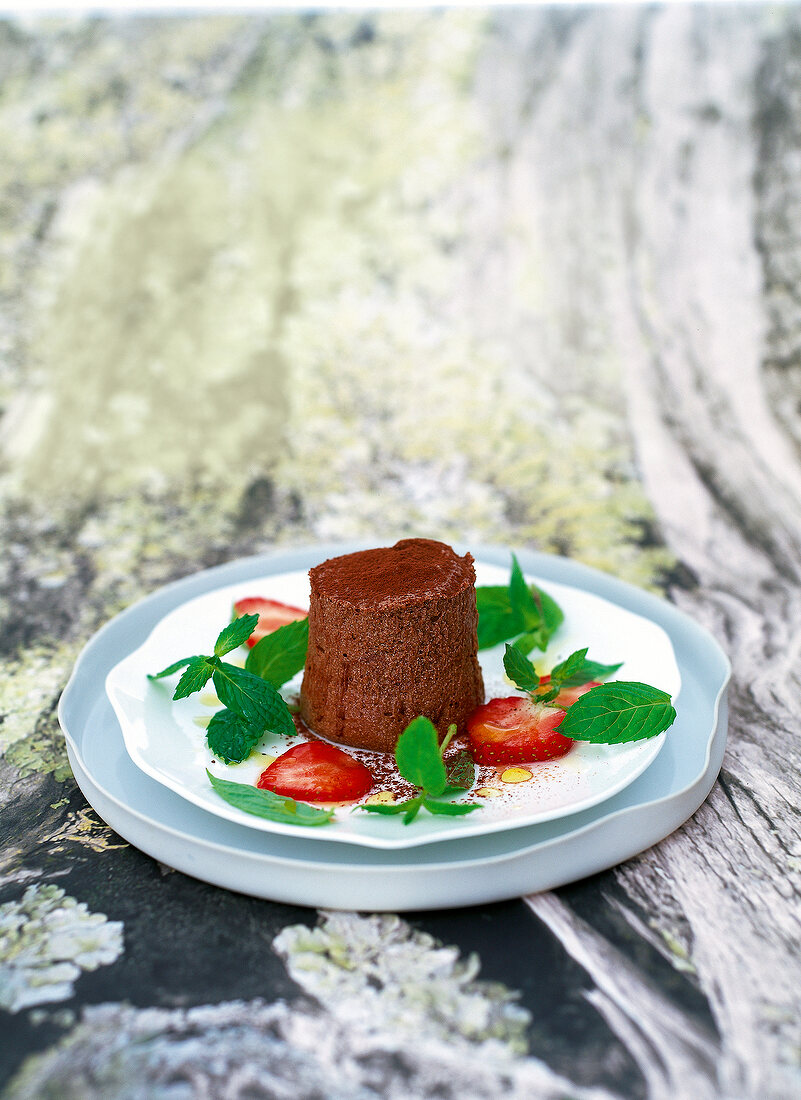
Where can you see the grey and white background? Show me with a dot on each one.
(527, 276)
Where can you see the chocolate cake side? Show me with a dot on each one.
(392, 634)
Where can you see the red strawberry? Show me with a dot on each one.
(272, 614)
(516, 730)
(317, 772)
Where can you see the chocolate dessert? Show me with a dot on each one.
(392, 634)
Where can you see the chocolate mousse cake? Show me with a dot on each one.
(392, 634)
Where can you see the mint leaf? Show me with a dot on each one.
(412, 806)
(274, 807)
(451, 809)
(281, 654)
(590, 670)
(418, 757)
(492, 597)
(195, 677)
(517, 609)
(170, 669)
(232, 737)
(235, 634)
(252, 698)
(574, 671)
(520, 670)
(618, 712)
(462, 772)
(496, 619)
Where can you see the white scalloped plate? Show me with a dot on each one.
(165, 741)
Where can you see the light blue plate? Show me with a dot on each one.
(457, 872)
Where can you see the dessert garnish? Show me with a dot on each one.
(418, 755)
(252, 705)
(526, 729)
(608, 714)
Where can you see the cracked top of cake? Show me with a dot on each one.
(411, 570)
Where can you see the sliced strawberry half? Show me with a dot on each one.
(272, 614)
(317, 772)
(516, 730)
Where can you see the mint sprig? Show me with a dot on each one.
(267, 804)
(278, 656)
(609, 714)
(254, 707)
(418, 755)
(572, 672)
(519, 610)
(232, 635)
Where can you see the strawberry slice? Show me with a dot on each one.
(272, 614)
(317, 772)
(567, 696)
(516, 730)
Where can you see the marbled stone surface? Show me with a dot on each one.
(514, 276)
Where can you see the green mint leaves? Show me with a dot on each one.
(418, 755)
(609, 714)
(519, 610)
(615, 713)
(253, 698)
(274, 807)
(278, 656)
(571, 671)
(253, 704)
(606, 714)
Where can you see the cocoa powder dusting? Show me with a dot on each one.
(412, 569)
